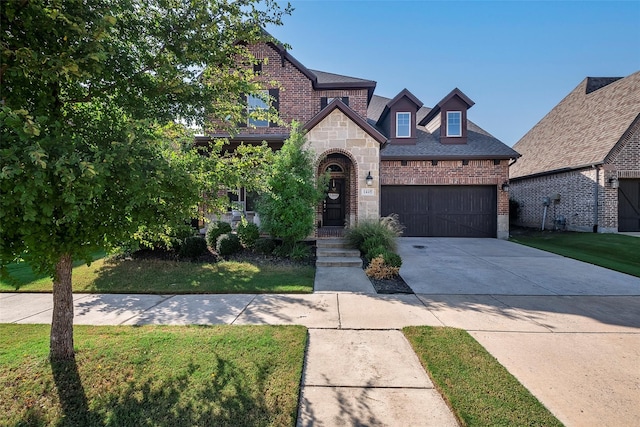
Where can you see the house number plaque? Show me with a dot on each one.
(368, 192)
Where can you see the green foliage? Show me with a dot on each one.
(375, 252)
(300, 252)
(228, 244)
(287, 208)
(480, 391)
(193, 247)
(373, 242)
(215, 230)
(392, 259)
(219, 375)
(90, 92)
(248, 233)
(265, 245)
(383, 232)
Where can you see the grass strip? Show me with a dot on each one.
(109, 275)
(157, 375)
(480, 391)
(613, 251)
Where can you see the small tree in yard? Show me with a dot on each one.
(287, 209)
(89, 91)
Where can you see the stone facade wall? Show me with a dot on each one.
(453, 172)
(336, 133)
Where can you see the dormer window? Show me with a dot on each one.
(403, 125)
(454, 123)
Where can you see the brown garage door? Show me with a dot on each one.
(629, 205)
(443, 211)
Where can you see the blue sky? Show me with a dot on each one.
(515, 59)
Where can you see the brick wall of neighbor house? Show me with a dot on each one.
(623, 163)
(576, 203)
(577, 191)
(452, 172)
(336, 133)
(297, 98)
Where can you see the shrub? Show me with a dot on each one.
(265, 245)
(378, 269)
(372, 242)
(228, 244)
(385, 230)
(248, 233)
(193, 246)
(392, 259)
(215, 230)
(375, 252)
(300, 252)
(288, 209)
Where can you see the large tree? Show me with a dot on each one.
(89, 89)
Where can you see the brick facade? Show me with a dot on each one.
(452, 172)
(577, 190)
(297, 98)
(350, 140)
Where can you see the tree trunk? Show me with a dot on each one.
(61, 342)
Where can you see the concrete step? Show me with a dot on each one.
(330, 243)
(338, 262)
(337, 252)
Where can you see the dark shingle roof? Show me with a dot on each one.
(331, 78)
(582, 129)
(480, 143)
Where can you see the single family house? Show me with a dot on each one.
(441, 173)
(580, 164)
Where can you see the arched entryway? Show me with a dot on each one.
(339, 207)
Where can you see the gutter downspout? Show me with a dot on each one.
(597, 196)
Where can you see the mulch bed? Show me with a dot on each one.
(397, 285)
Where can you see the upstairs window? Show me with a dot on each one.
(403, 125)
(255, 104)
(324, 101)
(454, 123)
(258, 103)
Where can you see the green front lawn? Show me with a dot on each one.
(171, 277)
(613, 251)
(153, 376)
(480, 391)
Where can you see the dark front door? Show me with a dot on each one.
(629, 205)
(443, 211)
(333, 206)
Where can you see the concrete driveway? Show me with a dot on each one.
(569, 331)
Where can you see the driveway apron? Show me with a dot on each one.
(567, 330)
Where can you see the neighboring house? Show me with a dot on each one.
(583, 160)
(441, 174)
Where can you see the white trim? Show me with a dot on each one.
(460, 116)
(409, 124)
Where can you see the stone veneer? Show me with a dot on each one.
(337, 133)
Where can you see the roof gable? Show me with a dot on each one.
(352, 115)
(436, 110)
(582, 129)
